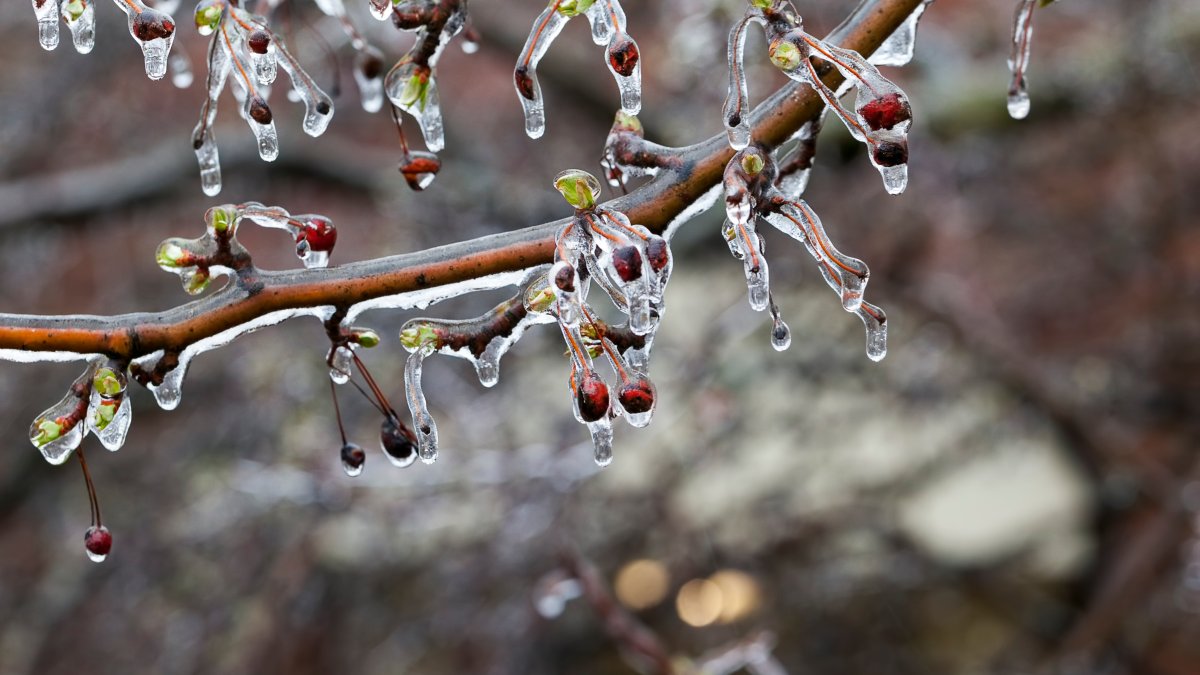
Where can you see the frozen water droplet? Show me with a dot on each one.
(545, 28)
(46, 12)
(380, 9)
(781, 335)
(895, 178)
(897, 49)
(1018, 102)
(366, 75)
(109, 420)
(397, 442)
(318, 107)
(97, 542)
(340, 364)
(412, 87)
(602, 437)
(170, 392)
(154, 32)
(61, 428)
(351, 470)
(264, 65)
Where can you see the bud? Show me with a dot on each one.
(627, 261)
(397, 441)
(626, 122)
(98, 542)
(172, 254)
(579, 188)
(418, 334)
(319, 232)
(752, 161)
(637, 396)
(364, 337)
(891, 154)
(564, 277)
(221, 219)
(622, 54)
(885, 112)
(259, 110)
(592, 397)
(108, 383)
(785, 54)
(573, 8)
(72, 9)
(208, 15)
(151, 24)
(658, 253)
(45, 431)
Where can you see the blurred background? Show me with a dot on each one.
(1014, 489)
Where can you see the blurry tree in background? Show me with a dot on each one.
(1014, 489)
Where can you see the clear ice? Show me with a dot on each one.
(1018, 63)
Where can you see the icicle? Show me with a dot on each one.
(154, 32)
(380, 9)
(793, 183)
(547, 27)
(602, 437)
(318, 107)
(80, 17)
(340, 363)
(875, 322)
(1018, 63)
(181, 69)
(203, 141)
(46, 12)
(170, 392)
(897, 49)
(606, 18)
(800, 222)
(624, 62)
(263, 59)
(736, 111)
(636, 396)
(367, 73)
(423, 424)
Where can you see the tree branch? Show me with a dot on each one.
(654, 205)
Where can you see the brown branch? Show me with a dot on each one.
(654, 205)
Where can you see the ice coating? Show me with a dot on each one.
(80, 17)
(602, 438)
(203, 140)
(265, 64)
(114, 430)
(545, 28)
(897, 49)
(154, 31)
(46, 12)
(607, 19)
(799, 221)
(1018, 62)
(794, 181)
(59, 429)
(370, 88)
(315, 235)
(341, 363)
(380, 9)
(423, 424)
(318, 107)
(736, 111)
(412, 87)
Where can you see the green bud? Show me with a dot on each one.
(365, 337)
(762, 4)
(208, 15)
(221, 219)
(418, 335)
(73, 9)
(47, 431)
(105, 412)
(540, 300)
(579, 188)
(752, 163)
(570, 8)
(107, 383)
(171, 256)
(416, 90)
(785, 55)
(195, 281)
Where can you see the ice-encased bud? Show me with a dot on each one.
(420, 168)
(81, 20)
(353, 459)
(154, 32)
(208, 15)
(412, 88)
(397, 441)
(368, 73)
(573, 8)
(637, 397)
(418, 334)
(591, 397)
(315, 239)
(58, 430)
(578, 187)
(785, 55)
(46, 12)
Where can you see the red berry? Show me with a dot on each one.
(628, 263)
(320, 234)
(657, 253)
(637, 396)
(151, 24)
(259, 41)
(420, 169)
(98, 541)
(623, 54)
(885, 112)
(592, 395)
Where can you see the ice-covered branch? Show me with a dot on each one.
(417, 279)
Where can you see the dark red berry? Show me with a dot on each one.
(628, 263)
(524, 82)
(98, 540)
(637, 396)
(151, 24)
(323, 107)
(885, 112)
(259, 41)
(592, 395)
(259, 110)
(397, 440)
(565, 279)
(320, 234)
(657, 253)
(353, 455)
(890, 154)
(421, 165)
(623, 54)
